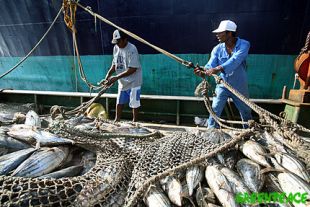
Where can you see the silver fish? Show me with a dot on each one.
(94, 190)
(118, 199)
(86, 126)
(3, 151)
(293, 164)
(174, 190)
(272, 143)
(235, 181)
(98, 188)
(10, 161)
(216, 136)
(220, 186)
(23, 132)
(42, 162)
(48, 139)
(9, 142)
(272, 185)
(6, 117)
(291, 183)
(67, 172)
(194, 175)
(163, 182)
(251, 174)
(156, 198)
(255, 152)
(78, 120)
(185, 192)
(204, 196)
(33, 119)
(228, 159)
(88, 161)
(130, 130)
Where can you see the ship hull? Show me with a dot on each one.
(275, 29)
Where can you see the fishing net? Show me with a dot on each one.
(125, 167)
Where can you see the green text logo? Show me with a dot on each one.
(273, 197)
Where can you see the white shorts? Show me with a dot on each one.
(131, 95)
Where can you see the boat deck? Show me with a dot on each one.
(179, 110)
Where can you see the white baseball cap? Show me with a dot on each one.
(226, 25)
(116, 36)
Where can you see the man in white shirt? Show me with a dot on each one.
(127, 67)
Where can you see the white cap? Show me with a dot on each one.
(226, 25)
(116, 36)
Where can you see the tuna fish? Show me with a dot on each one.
(42, 162)
(236, 183)
(220, 186)
(48, 139)
(156, 198)
(78, 120)
(3, 151)
(173, 188)
(185, 192)
(272, 143)
(23, 133)
(31, 135)
(100, 187)
(216, 136)
(229, 159)
(67, 172)
(88, 161)
(204, 196)
(130, 130)
(194, 176)
(10, 161)
(33, 119)
(255, 152)
(251, 174)
(86, 127)
(9, 142)
(293, 164)
(291, 183)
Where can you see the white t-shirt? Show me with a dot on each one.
(124, 58)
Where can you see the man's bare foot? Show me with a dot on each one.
(115, 121)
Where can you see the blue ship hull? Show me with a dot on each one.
(276, 30)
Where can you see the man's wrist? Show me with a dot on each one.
(219, 68)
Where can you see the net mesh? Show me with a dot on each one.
(125, 167)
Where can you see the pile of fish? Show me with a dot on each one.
(107, 173)
(27, 150)
(260, 164)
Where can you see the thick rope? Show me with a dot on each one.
(208, 105)
(35, 47)
(82, 108)
(178, 59)
(262, 112)
(81, 69)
